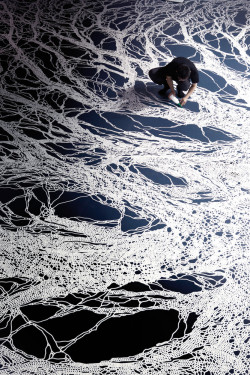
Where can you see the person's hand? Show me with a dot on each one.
(183, 101)
(173, 93)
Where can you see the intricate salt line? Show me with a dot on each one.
(107, 188)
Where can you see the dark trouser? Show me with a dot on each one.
(157, 76)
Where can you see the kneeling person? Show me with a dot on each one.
(182, 71)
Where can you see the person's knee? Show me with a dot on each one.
(151, 74)
(183, 85)
(156, 75)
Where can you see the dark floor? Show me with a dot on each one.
(124, 218)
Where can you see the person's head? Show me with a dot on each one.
(183, 72)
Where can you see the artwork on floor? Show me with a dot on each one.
(124, 217)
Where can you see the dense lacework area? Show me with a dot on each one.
(124, 219)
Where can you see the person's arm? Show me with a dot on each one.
(170, 84)
(190, 92)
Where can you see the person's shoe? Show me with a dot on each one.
(162, 92)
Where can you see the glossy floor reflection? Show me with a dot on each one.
(124, 218)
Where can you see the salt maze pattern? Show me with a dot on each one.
(124, 219)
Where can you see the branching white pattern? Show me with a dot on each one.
(117, 207)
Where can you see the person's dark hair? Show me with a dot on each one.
(183, 71)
